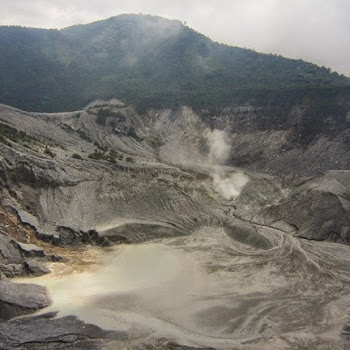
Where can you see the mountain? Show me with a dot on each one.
(149, 62)
(229, 168)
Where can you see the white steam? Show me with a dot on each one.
(227, 185)
(219, 149)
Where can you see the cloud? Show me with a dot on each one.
(315, 30)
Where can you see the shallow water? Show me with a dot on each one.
(207, 289)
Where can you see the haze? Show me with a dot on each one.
(314, 30)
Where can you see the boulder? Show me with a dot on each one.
(9, 254)
(47, 332)
(34, 267)
(29, 250)
(21, 298)
(246, 233)
(12, 270)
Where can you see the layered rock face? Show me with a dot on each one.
(107, 175)
(318, 208)
(106, 167)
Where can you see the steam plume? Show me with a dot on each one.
(227, 185)
(219, 149)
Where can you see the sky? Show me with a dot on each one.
(314, 30)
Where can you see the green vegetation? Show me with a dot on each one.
(84, 136)
(76, 156)
(102, 116)
(164, 65)
(9, 134)
(132, 133)
(18, 136)
(48, 152)
(104, 113)
(97, 155)
(111, 156)
(101, 147)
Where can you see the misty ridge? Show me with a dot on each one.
(149, 62)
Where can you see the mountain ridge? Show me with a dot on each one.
(147, 61)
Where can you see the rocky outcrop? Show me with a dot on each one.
(18, 258)
(246, 233)
(20, 299)
(139, 232)
(168, 345)
(35, 268)
(319, 209)
(9, 253)
(29, 250)
(289, 143)
(11, 259)
(46, 332)
(68, 196)
(105, 172)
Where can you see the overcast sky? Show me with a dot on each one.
(315, 30)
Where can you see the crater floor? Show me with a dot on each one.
(208, 289)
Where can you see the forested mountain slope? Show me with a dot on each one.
(149, 62)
